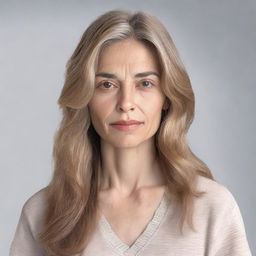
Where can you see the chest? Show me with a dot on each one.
(127, 226)
(129, 220)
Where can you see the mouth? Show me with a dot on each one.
(126, 127)
(129, 122)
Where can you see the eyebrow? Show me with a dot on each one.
(113, 76)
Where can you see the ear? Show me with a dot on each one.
(166, 104)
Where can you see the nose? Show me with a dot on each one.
(126, 99)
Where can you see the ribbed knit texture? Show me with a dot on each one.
(142, 240)
(217, 219)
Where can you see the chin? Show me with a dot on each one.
(126, 143)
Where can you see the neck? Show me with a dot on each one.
(129, 169)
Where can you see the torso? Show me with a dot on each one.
(128, 217)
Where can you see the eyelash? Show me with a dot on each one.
(100, 84)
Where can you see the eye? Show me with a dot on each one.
(105, 84)
(147, 83)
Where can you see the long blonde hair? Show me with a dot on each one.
(72, 207)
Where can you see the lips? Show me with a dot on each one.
(130, 122)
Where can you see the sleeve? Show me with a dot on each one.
(24, 242)
(231, 238)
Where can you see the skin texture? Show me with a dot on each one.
(128, 158)
(132, 184)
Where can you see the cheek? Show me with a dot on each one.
(155, 106)
(98, 109)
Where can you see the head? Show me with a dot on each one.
(125, 90)
(123, 44)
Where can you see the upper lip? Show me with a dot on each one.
(129, 122)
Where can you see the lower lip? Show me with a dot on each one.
(129, 127)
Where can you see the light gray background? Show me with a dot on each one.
(216, 40)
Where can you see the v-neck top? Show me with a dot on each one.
(123, 249)
(217, 220)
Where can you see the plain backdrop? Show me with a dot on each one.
(216, 40)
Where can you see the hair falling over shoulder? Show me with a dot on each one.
(72, 210)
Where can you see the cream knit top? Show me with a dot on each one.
(217, 219)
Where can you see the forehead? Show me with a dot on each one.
(129, 52)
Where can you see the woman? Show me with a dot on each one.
(125, 181)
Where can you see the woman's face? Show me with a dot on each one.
(123, 92)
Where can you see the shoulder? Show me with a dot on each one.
(35, 201)
(34, 208)
(217, 196)
(218, 214)
(217, 208)
(29, 226)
